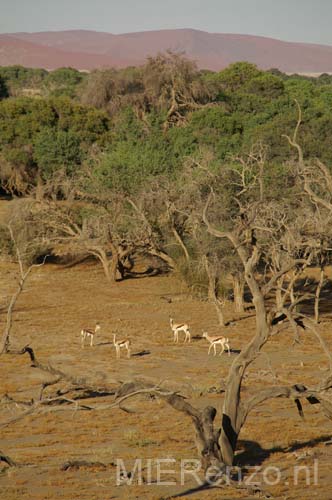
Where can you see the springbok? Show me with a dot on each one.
(178, 327)
(88, 332)
(214, 340)
(119, 344)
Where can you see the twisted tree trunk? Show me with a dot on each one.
(232, 418)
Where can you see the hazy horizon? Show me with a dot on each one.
(288, 20)
(164, 29)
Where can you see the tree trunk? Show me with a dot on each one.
(181, 243)
(233, 418)
(279, 293)
(317, 293)
(212, 290)
(114, 264)
(238, 292)
(291, 294)
(220, 314)
(212, 285)
(40, 190)
(109, 275)
(109, 266)
(163, 256)
(5, 341)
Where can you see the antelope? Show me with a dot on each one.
(87, 332)
(178, 327)
(214, 340)
(121, 344)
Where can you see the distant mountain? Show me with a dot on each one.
(90, 49)
(14, 50)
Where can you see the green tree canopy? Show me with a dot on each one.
(56, 149)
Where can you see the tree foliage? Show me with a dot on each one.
(57, 149)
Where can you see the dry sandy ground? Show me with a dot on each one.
(57, 303)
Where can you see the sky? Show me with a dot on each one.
(291, 20)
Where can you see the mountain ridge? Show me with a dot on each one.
(88, 49)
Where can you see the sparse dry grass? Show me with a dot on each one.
(49, 315)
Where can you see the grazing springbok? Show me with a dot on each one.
(119, 344)
(178, 327)
(214, 340)
(88, 332)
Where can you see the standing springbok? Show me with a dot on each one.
(214, 340)
(87, 332)
(121, 344)
(178, 327)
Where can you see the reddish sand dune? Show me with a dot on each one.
(89, 49)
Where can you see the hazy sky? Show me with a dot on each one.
(295, 20)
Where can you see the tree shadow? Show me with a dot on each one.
(191, 491)
(149, 272)
(95, 394)
(141, 353)
(254, 454)
(234, 321)
(84, 393)
(309, 285)
(4, 195)
(305, 285)
(134, 354)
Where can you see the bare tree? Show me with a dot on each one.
(172, 83)
(235, 409)
(147, 212)
(71, 229)
(316, 179)
(14, 179)
(24, 274)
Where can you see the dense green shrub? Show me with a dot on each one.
(144, 122)
(56, 149)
